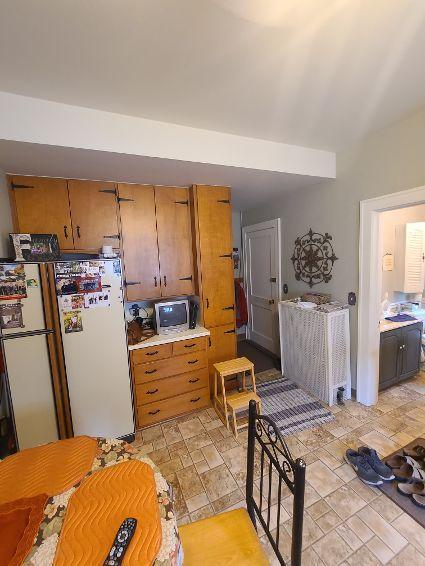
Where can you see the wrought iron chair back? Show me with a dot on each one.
(275, 461)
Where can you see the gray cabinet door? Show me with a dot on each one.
(389, 358)
(411, 337)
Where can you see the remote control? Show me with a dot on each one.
(121, 542)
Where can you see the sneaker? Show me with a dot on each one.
(383, 471)
(362, 467)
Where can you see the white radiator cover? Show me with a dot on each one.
(315, 350)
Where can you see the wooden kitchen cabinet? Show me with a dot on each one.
(399, 354)
(221, 347)
(156, 241)
(41, 206)
(214, 225)
(174, 241)
(94, 214)
(139, 241)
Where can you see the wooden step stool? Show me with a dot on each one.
(238, 400)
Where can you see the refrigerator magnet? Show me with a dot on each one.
(11, 316)
(89, 284)
(72, 321)
(12, 281)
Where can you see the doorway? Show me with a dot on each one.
(262, 276)
(370, 287)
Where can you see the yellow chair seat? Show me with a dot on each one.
(226, 539)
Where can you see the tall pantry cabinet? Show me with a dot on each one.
(213, 227)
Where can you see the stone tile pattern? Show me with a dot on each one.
(346, 522)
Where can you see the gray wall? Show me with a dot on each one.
(388, 161)
(5, 217)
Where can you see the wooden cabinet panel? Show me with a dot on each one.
(215, 243)
(151, 353)
(145, 373)
(399, 354)
(139, 241)
(388, 358)
(174, 240)
(170, 386)
(42, 207)
(411, 351)
(94, 214)
(189, 346)
(222, 347)
(168, 408)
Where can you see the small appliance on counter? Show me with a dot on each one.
(172, 316)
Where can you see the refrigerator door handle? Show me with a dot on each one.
(26, 334)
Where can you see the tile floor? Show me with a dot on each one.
(346, 522)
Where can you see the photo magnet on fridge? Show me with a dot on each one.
(66, 285)
(89, 284)
(12, 281)
(11, 316)
(72, 321)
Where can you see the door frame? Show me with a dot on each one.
(276, 224)
(370, 282)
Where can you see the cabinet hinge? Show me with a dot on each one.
(122, 199)
(185, 202)
(108, 191)
(128, 283)
(17, 186)
(224, 201)
(225, 255)
(229, 308)
(113, 236)
(186, 278)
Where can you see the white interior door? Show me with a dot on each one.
(262, 281)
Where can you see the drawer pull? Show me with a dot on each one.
(154, 412)
(189, 345)
(194, 400)
(148, 371)
(193, 380)
(193, 361)
(152, 392)
(152, 353)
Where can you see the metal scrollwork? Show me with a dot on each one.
(269, 436)
(313, 258)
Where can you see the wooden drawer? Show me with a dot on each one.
(145, 373)
(189, 346)
(170, 386)
(162, 410)
(151, 353)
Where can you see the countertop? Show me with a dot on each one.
(385, 325)
(159, 339)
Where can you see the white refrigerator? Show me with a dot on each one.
(95, 352)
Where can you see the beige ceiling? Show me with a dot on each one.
(319, 73)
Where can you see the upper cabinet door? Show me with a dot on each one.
(174, 241)
(94, 214)
(139, 241)
(42, 207)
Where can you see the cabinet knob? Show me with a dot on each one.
(65, 231)
(78, 231)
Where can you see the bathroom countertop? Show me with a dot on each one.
(385, 325)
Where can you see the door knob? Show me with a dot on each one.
(271, 301)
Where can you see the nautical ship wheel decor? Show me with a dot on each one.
(313, 258)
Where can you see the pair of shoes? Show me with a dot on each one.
(368, 466)
(415, 490)
(406, 468)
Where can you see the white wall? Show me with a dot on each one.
(5, 217)
(388, 222)
(388, 161)
(33, 120)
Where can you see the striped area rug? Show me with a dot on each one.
(290, 407)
